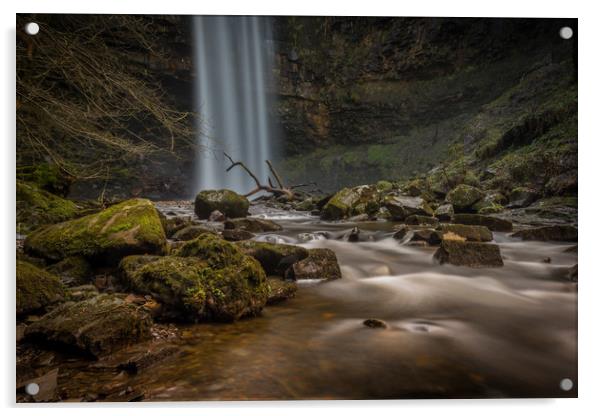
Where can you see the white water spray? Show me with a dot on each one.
(233, 64)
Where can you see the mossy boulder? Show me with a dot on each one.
(216, 251)
(200, 288)
(36, 288)
(384, 186)
(492, 203)
(73, 271)
(280, 290)
(463, 197)
(348, 202)
(401, 206)
(226, 201)
(522, 197)
(36, 207)
(191, 232)
(131, 227)
(254, 225)
(96, 326)
(468, 232)
(321, 263)
(274, 258)
(469, 254)
(175, 224)
(493, 223)
(237, 235)
(549, 233)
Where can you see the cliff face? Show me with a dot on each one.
(362, 99)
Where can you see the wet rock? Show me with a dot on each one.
(571, 249)
(73, 271)
(493, 223)
(522, 197)
(226, 201)
(468, 232)
(321, 263)
(359, 218)
(401, 207)
(274, 258)
(416, 234)
(548, 233)
(463, 197)
(37, 207)
(280, 290)
(352, 201)
(306, 205)
(492, 203)
(217, 216)
(131, 227)
(352, 236)
(145, 357)
(546, 260)
(173, 225)
(572, 275)
(84, 292)
(192, 231)
(470, 254)
(36, 288)
(215, 281)
(254, 225)
(422, 220)
(444, 212)
(375, 323)
(95, 326)
(237, 235)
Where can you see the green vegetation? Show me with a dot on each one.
(36, 288)
(36, 207)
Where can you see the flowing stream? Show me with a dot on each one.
(233, 65)
(452, 331)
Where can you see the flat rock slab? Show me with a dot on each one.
(469, 254)
(469, 232)
(549, 233)
(493, 223)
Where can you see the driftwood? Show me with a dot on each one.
(277, 190)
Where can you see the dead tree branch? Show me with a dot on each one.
(277, 191)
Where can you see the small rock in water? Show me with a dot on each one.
(354, 235)
(217, 216)
(375, 323)
(546, 260)
(572, 275)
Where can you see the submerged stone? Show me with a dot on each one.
(36, 288)
(96, 326)
(226, 201)
(131, 227)
(470, 254)
(375, 323)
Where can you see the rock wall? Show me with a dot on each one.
(363, 99)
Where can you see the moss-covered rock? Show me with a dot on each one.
(175, 224)
(47, 176)
(216, 251)
(191, 232)
(348, 202)
(237, 235)
(470, 254)
(96, 326)
(468, 232)
(280, 290)
(321, 263)
(131, 227)
(384, 186)
(73, 271)
(493, 223)
(36, 288)
(36, 207)
(274, 258)
(401, 206)
(463, 197)
(549, 233)
(193, 289)
(492, 203)
(226, 201)
(521, 197)
(254, 225)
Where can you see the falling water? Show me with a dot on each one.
(233, 62)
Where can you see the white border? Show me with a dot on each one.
(590, 178)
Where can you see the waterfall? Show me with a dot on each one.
(233, 64)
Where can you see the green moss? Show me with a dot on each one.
(274, 258)
(73, 271)
(131, 227)
(36, 207)
(36, 288)
(463, 197)
(224, 200)
(216, 251)
(48, 177)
